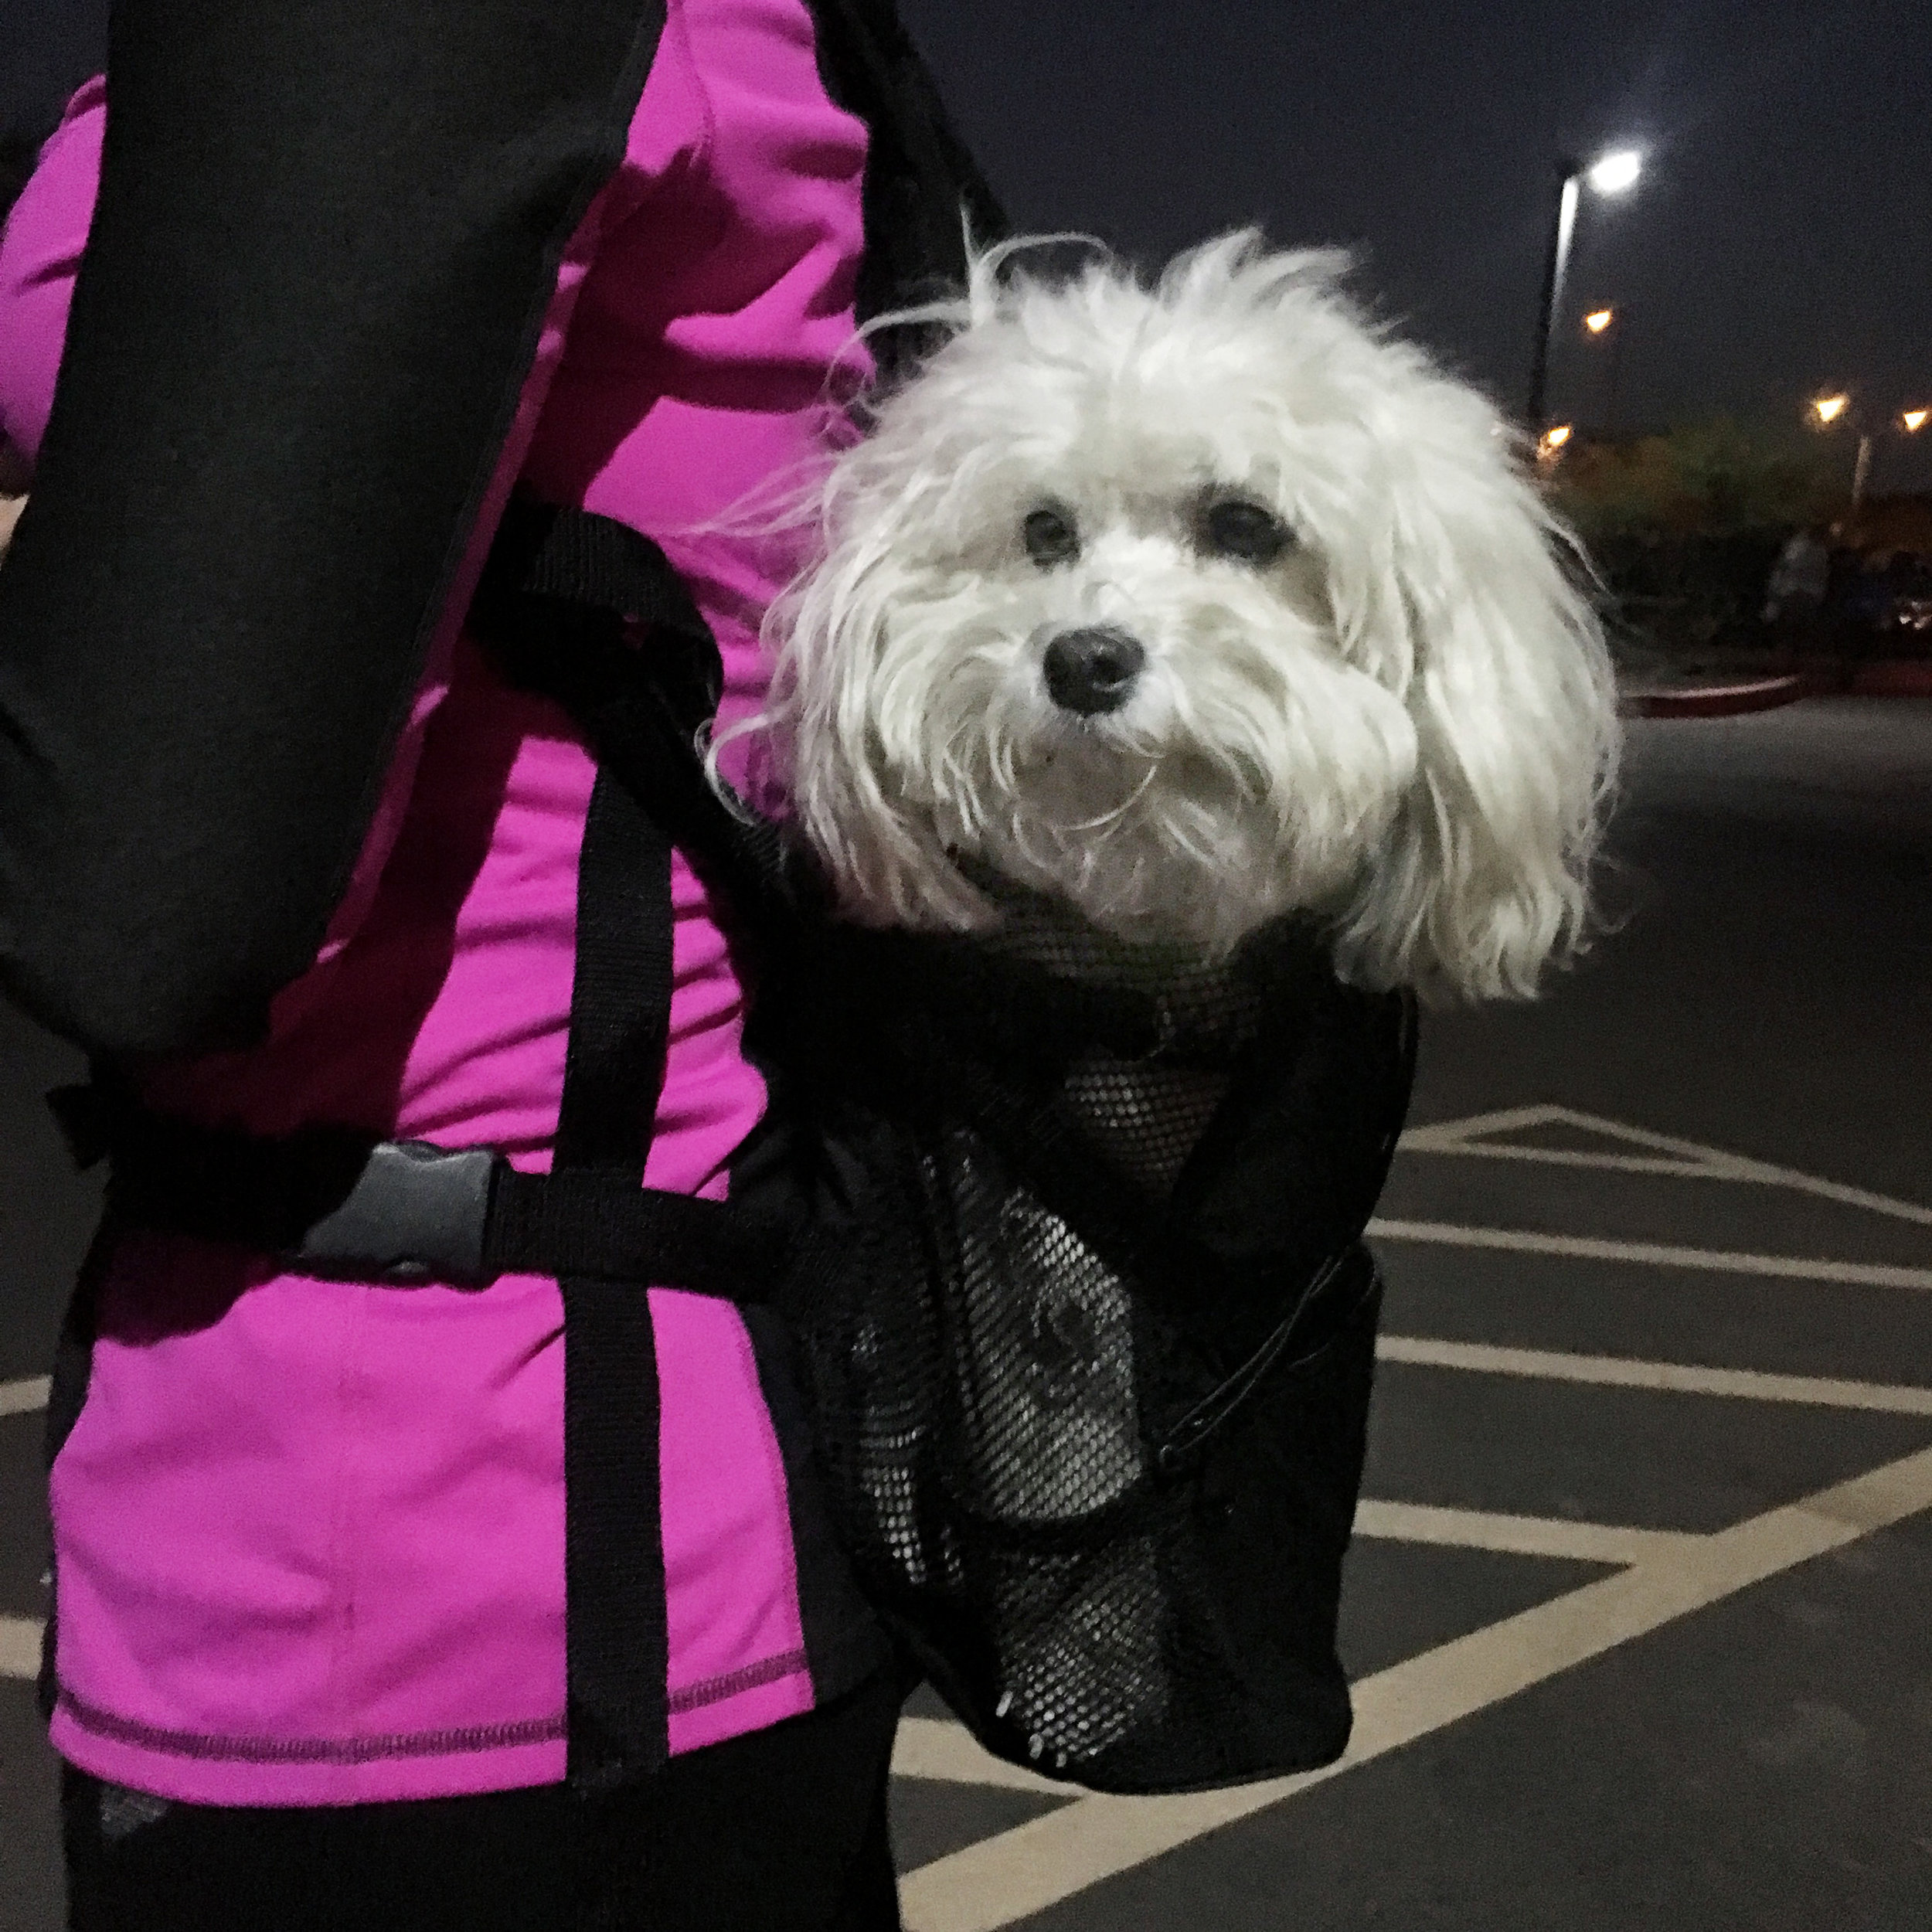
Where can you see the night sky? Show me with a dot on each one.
(1780, 242)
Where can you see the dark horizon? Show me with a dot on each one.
(1779, 244)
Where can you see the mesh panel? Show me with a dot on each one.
(1000, 1343)
(1146, 1119)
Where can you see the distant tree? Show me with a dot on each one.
(1684, 527)
(1711, 479)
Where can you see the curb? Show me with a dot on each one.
(1882, 678)
(1719, 700)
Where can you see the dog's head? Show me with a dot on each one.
(1193, 605)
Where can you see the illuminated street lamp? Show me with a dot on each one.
(1612, 174)
(1550, 444)
(1828, 410)
(1616, 173)
(1602, 325)
(1837, 407)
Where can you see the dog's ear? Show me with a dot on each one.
(1472, 604)
(851, 740)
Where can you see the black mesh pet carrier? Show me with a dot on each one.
(1086, 1325)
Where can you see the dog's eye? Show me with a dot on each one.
(1051, 537)
(1235, 527)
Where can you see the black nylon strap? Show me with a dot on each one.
(590, 613)
(621, 995)
(578, 1224)
(559, 598)
(920, 180)
(549, 551)
(287, 1197)
(617, 1644)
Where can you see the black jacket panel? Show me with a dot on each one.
(326, 240)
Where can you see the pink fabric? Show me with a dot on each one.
(310, 1536)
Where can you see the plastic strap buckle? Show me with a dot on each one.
(417, 1213)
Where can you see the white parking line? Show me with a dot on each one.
(1653, 1254)
(1439, 1135)
(19, 1647)
(1577, 1157)
(1589, 1543)
(1688, 1159)
(1682, 1378)
(22, 1398)
(944, 1752)
(1003, 1879)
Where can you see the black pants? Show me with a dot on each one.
(782, 1830)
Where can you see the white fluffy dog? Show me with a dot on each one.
(1190, 606)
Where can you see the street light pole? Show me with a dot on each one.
(1828, 410)
(1611, 175)
(1570, 187)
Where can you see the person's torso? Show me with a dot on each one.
(310, 1534)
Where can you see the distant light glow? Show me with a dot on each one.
(1828, 409)
(1554, 439)
(1915, 420)
(1616, 173)
(1598, 320)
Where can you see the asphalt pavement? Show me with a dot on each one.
(1637, 1612)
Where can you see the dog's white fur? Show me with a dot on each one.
(1406, 724)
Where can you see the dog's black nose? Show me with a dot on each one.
(1090, 672)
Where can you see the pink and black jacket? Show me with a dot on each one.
(285, 848)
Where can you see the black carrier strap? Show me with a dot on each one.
(617, 1648)
(561, 591)
(336, 1203)
(590, 613)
